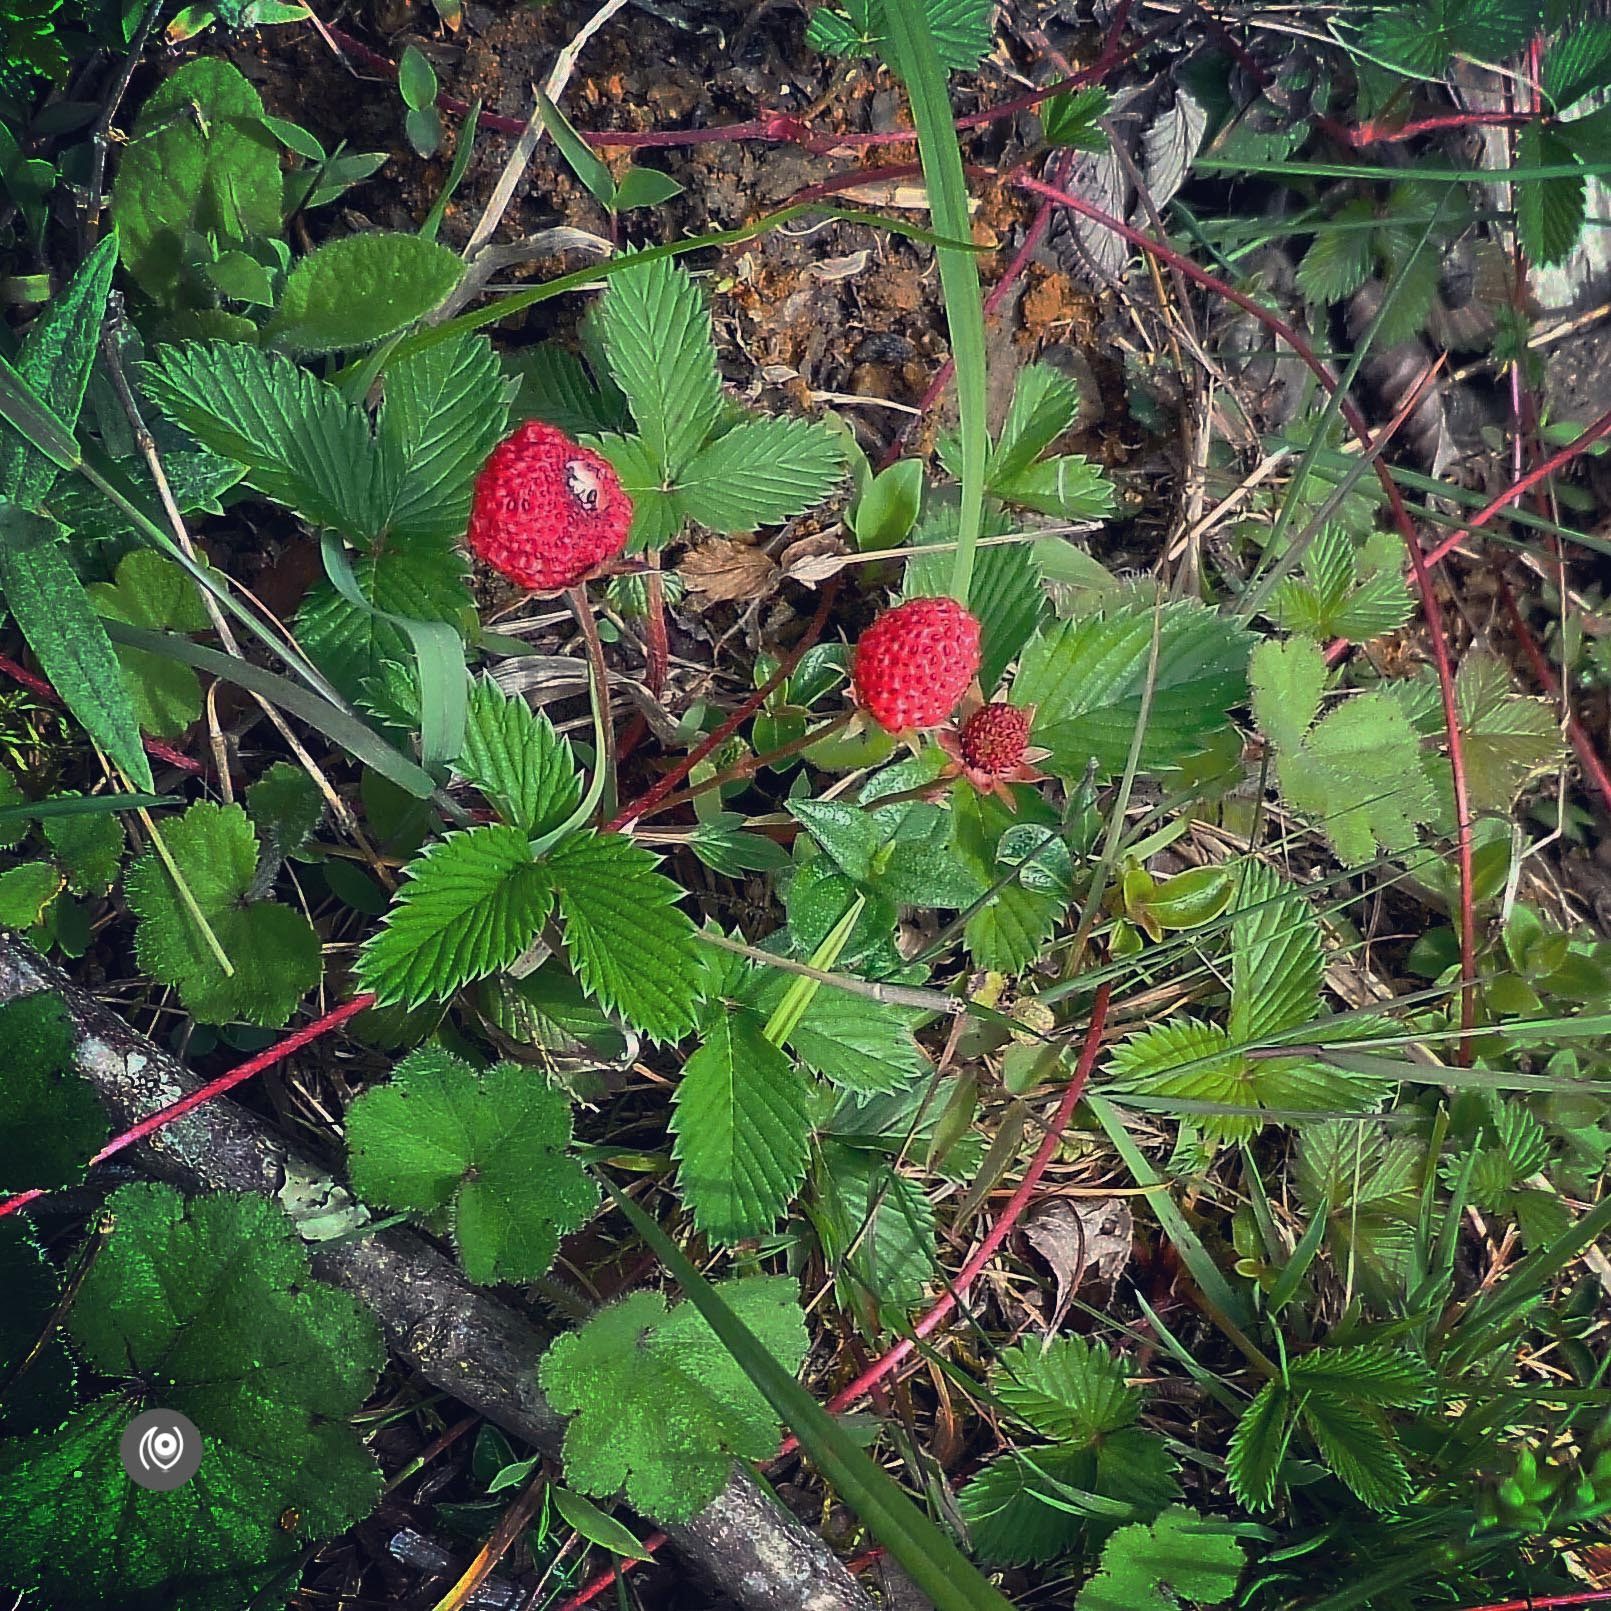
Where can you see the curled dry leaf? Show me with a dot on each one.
(1086, 1237)
(812, 560)
(722, 571)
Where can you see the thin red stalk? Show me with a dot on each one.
(1371, 133)
(1524, 484)
(1546, 1602)
(657, 645)
(205, 1093)
(1593, 766)
(998, 1233)
(1423, 581)
(651, 799)
(38, 685)
(606, 1579)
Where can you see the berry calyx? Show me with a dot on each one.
(995, 739)
(915, 662)
(547, 512)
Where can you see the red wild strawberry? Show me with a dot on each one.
(547, 512)
(994, 738)
(992, 749)
(915, 662)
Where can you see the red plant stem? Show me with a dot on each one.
(1372, 133)
(38, 685)
(651, 800)
(1517, 489)
(606, 1579)
(1430, 607)
(205, 1093)
(656, 643)
(1546, 1602)
(1593, 766)
(1020, 1200)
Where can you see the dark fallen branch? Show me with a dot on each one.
(457, 1338)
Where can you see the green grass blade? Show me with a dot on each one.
(933, 1562)
(917, 60)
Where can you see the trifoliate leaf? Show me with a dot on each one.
(513, 755)
(877, 1228)
(743, 1126)
(1086, 678)
(761, 472)
(38, 1375)
(629, 944)
(490, 1148)
(1065, 1388)
(445, 407)
(88, 846)
(302, 444)
(50, 1121)
(273, 950)
(1505, 739)
(1179, 1559)
(474, 901)
(659, 1407)
(209, 1309)
(285, 806)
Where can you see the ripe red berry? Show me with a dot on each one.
(995, 739)
(915, 662)
(547, 512)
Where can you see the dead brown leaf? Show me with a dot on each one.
(721, 571)
(812, 560)
(1085, 1237)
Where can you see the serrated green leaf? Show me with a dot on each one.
(1015, 1511)
(1357, 1449)
(876, 1226)
(88, 846)
(1070, 119)
(1340, 258)
(1288, 678)
(759, 473)
(26, 892)
(209, 1309)
(1421, 38)
(1045, 403)
(1370, 1373)
(285, 807)
(657, 335)
(149, 590)
(849, 835)
(1549, 212)
(742, 1124)
(474, 901)
(1086, 678)
(1065, 1388)
(302, 444)
(630, 945)
(555, 386)
(215, 174)
(1069, 487)
(659, 1407)
(50, 1120)
(1275, 956)
(1577, 63)
(858, 1043)
(1176, 1560)
(491, 1149)
(513, 755)
(1008, 932)
(49, 604)
(359, 289)
(1505, 739)
(444, 409)
(657, 514)
(1258, 1446)
(274, 950)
